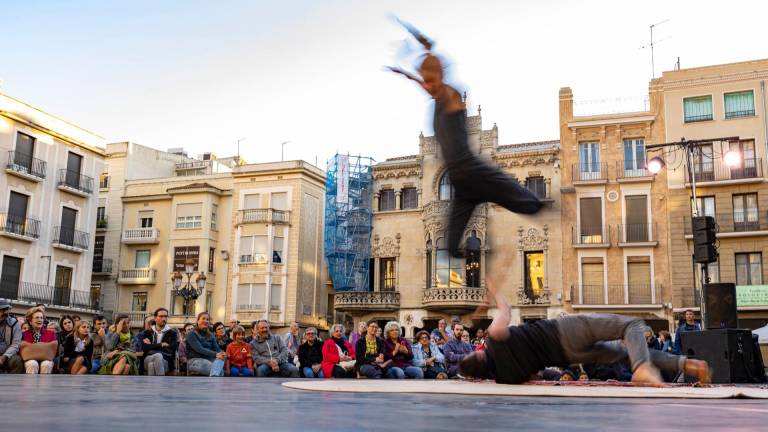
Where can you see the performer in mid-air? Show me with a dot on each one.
(514, 353)
(474, 181)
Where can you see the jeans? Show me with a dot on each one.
(309, 373)
(155, 365)
(409, 371)
(95, 365)
(285, 370)
(201, 366)
(591, 339)
(243, 371)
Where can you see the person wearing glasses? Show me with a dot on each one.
(311, 355)
(370, 354)
(338, 355)
(159, 344)
(427, 356)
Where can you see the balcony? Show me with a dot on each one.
(528, 297)
(32, 294)
(637, 235)
(589, 173)
(141, 236)
(591, 236)
(716, 172)
(632, 171)
(136, 318)
(265, 215)
(453, 300)
(689, 298)
(541, 190)
(75, 183)
(366, 301)
(70, 239)
(744, 223)
(137, 276)
(101, 224)
(195, 167)
(25, 166)
(19, 227)
(637, 296)
(102, 267)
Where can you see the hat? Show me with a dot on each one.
(4, 304)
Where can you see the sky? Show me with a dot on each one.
(203, 74)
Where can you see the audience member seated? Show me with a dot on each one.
(455, 350)
(66, 325)
(10, 340)
(239, 356)
(182, 351)
(78, 349)
(270, 355)
(221, 336)
(204, 356)
(397, 349)
(311, 355)
(98, 335)
(338, 355)
(355, 336)
(39, 345)
(291, 342)
(479, 341)
(441, 335)
(428, 357)
(369, 351)
(119, 356)
(159, 344)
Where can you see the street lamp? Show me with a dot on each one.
(188, 291)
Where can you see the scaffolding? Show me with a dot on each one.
(348, 218)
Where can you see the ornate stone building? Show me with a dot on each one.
(413, 278)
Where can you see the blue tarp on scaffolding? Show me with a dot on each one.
(348, 217)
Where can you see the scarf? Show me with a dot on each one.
(36, 336)
(125, 338)
(342, 346)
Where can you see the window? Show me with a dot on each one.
(749, 268)
(472, 264)
(101, 217)
(211, 259)
(739, 104)
(104, 181)
(189, 215)
(592, 281)
(387, 275)
(703, 163)
(214, 216)
(279, 201)
(251, 296)
(639, 279)
(428, 258)
(275, 298)
(591, 221)
(252, 201)
(98, 255)
(409, 198)
(697, 109)
(277, 250)
(10, 277)
(536, 185)
(253, 249)
(713, 269)
(637, 228)
(146, 218)
(589, 161)
(748, 166)
(706, 205)
(745, 213)
(139, 302)
(534, 274)
(386, 200)
(445, 191)
(63, 278)
(16, 220)
(449, 271)
(634, 158)
(67, 234)
(142, 259)
(24, 154)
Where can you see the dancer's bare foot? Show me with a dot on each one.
(647, 373)
(698, 369)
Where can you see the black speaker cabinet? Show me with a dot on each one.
(721, 306)
(729, 352)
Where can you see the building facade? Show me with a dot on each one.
(709, 103)
(48, 210)
(413, 278)
(614, 212)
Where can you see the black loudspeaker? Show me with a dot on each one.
(704, 253)
(721, 306)
(729, 352)
(704, 237)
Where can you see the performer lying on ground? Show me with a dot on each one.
(514, 353)
(474, 181)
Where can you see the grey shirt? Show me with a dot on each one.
(10, 336)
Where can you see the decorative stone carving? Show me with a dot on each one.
(396, 172)
(523, 299)
(532, 239)
(364, 301)
(453, 298)
(387, 247)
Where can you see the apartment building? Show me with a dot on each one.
(48, 210)
(614, 212)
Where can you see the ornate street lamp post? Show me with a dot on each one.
(189, 292)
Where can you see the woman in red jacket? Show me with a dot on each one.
(338, 355)
(38, 334)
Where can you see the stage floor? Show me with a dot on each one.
(103, 403)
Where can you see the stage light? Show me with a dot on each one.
(655, 165)
(732, 158)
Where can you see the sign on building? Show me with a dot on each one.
(342, 188)
(181, 253)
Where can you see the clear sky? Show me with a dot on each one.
(201, 74)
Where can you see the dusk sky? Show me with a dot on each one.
(201, 74)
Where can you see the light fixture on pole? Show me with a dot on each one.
(655, 165)
(732, 158)
(189, 292)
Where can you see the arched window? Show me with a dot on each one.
(445, 191)
(473, 260)
(429, 262)
(449, 271)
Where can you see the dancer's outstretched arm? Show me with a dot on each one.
(499, 328)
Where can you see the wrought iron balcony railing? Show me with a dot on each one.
(26, 165)
(20, 226)
(75, 180)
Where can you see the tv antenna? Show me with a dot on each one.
(653, 42)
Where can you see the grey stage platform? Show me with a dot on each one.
(103, 403)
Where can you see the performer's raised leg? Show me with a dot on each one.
(461, 211)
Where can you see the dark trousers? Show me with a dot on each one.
(480, 183)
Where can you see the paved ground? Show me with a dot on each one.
(103, 403)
